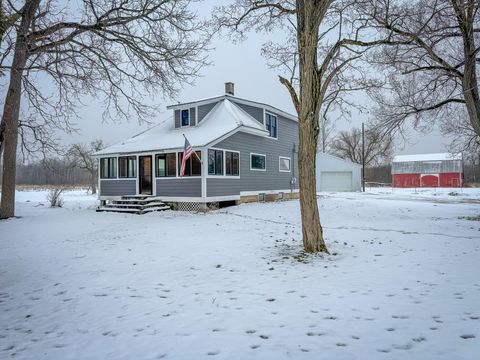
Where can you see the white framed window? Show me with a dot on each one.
(108, 168)
(215, 162)
(223, 162)
(271, 125)
(232, 163)
(284, 164)
(127, 167)
(258, 162)
(184, 117)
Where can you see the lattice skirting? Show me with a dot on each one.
(190, 206)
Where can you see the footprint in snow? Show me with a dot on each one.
(213, 353)
(407, 346)
(311, 333)
(264, 337)
(255, 346)
(467, 336)
(251, 331)
(402, 317)
(419, 339)
(390, 329)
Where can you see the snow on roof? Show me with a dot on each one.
(322, 154)
(235, 99)
(221, 120)
(427, 157)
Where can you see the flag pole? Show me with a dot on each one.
(201, 162)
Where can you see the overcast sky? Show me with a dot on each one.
(243, 65)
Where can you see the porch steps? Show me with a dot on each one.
(134, 204)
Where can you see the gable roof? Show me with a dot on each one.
(223, 119)
(427, 157)
(234, 99)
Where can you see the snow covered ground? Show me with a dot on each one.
(403, 281)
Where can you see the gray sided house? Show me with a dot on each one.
(244, 151)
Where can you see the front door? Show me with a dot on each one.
(145, 175)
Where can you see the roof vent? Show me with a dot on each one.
(229, 88)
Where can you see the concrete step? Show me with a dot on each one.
(137, 197)
(135, 206)
(132, 210)
(111, 209)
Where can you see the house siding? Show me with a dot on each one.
(175, 187)
(203, 110)
(177, 118)
(253, 111)
(118, 187)
(252, 180)
(192, 116)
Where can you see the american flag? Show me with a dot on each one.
(187, 152)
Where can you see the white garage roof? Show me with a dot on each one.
(427, 157)
(321, 155)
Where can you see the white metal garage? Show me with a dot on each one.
(336, 181)
(336, 174)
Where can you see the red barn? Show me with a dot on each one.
(427, 170)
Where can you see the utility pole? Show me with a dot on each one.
(363, 156)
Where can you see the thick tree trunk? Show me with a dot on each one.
(470, 82)
(465, 18)
(11, 113)
(93, 182)
(309, 16)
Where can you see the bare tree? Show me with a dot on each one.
(378, 146)
(322, 45)
(81, 156)
(431, 62)
(113, 50)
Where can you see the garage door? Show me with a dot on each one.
(336, 181)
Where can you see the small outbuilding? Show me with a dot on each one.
(336, 174)
(427, 170)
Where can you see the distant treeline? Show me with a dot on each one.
(51, 172)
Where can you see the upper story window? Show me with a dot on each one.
(215, 162)
(108, 168)
(166, 165)
(127, 166)
(271, 124)
(185, 117)
(258, 162)
(193, 166)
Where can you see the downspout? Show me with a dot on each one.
(293, 180)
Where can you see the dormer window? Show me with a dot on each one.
(271, 124)
(185, 117)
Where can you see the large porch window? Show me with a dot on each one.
(108, 168)
(127, 166)
(166, 165)
(193, 166)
